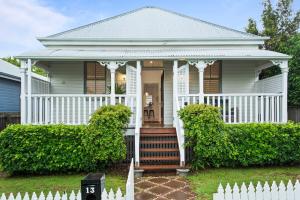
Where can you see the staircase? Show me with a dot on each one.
(159, 149)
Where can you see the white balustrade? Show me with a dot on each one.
(73, 108)
(241, 108)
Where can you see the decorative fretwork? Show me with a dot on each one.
(201, 64)
(112, 65)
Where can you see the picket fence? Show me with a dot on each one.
(265, 192)
(77, 196)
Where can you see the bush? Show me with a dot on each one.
(43, 149)
(264, 144)
(204, 134)
(217, 144)
(106, 134)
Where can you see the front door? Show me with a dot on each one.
(152, 96)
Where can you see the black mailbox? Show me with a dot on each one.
(92, 186)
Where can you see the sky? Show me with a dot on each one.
(22, 21)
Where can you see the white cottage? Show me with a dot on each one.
(155, 61)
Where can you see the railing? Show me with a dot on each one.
(137, 133)
(130, 183)
(180, 134)
(242, 108)
(72, 108)
(259, 192)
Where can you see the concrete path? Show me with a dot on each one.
(163, 188)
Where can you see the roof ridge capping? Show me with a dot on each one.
(158, 8)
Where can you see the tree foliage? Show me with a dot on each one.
(17, 63)
(281, 24)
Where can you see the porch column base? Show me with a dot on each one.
(182, 172)
(138, 173)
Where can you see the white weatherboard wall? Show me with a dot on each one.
(168, 93)
(269, 85)
(238, 76)
(67, 77)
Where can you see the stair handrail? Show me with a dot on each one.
(137, 132)
(180, 134)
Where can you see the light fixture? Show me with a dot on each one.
(151, 61)
(146, 94)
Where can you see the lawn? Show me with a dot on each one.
(206, 182)
(54, 183)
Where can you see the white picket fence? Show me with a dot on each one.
(77, 196)
(265, 192)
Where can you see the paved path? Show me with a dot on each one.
(163, 188)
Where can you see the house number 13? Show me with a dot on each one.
(90, 190)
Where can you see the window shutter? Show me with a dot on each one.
(183, 80)
(130, 79)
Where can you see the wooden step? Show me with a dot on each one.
(158, 158)
(159, 150)
(158, 130)
(159, 142)
(159, 167)
(158, 135)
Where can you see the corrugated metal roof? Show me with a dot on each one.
(152, 53)
(152, 23)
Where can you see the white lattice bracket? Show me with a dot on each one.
(112, 66)
(201, 65)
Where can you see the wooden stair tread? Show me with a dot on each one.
(159, 142)
(158, 130)
(158, 167)
(158, 134)
(151, 158)
(159, 150)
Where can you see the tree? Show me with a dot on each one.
(281, 24)
(293, 48)
(252, 27)
(17, 63)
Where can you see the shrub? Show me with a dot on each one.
(204, 134)
(43, 149)
(106, 134)
(264, 144)
(216, 144)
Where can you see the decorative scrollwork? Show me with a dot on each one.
(277, 62)
(201, 64)
(112, 65)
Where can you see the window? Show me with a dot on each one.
(95, 76)
(212, 78)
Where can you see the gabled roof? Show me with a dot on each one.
(151, 23)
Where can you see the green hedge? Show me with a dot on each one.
(106, 134)
(42, 149)
(264, 144)
(216, 144)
